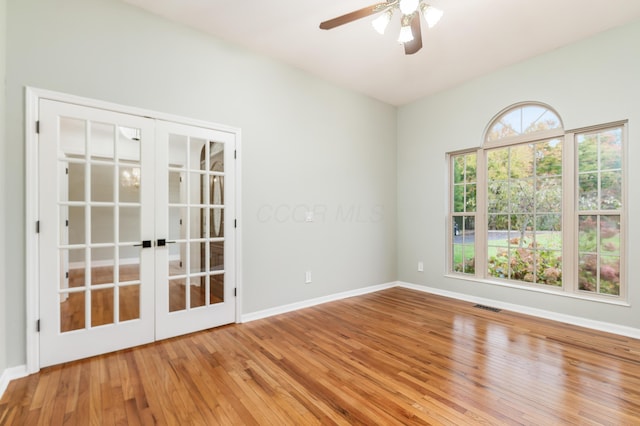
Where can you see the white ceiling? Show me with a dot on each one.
(473, 38)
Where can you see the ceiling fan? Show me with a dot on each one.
(410, 31)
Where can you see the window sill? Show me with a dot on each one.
(581, 296)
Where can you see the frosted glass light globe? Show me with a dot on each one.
(407, 7)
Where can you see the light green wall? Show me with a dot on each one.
(3, 34)
(588, 83)
(305, 142)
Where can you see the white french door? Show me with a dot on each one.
(195, 266)
(136, 237)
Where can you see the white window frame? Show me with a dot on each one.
(453, 214)
(570, 212)
(624, 284)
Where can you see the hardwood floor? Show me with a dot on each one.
(393, 357)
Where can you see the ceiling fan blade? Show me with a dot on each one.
(353, 16)
(414, 45)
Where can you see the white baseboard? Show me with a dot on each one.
(11, 374)
(313, 302)
(540, 313)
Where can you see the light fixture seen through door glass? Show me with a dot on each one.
(131, 177)
(130, 133)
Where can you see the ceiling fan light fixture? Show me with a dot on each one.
(431, 14)
(406, 35)
(407, 7)
(381, 22)
(410, 20)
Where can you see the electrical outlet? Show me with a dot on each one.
(421, 266)
(307, 277)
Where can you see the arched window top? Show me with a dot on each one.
(523, 119)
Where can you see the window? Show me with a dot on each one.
(464, 212)
(524, 220)
(523, 120)
(540, 207)
(599, 211)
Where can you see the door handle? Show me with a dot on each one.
(163, 242)
(144, 244)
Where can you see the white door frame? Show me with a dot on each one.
(33, 96)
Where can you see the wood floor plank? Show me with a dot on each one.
(393, 357)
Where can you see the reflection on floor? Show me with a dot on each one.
(73, 306)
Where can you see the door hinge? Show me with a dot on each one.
(37, 226)
(38, 326)
(66, 222)
(235, 154)
(66, 275)
(235, 223)
(235, 292)
(38, 127)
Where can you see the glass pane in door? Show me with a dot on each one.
(102, 308)
(216, 289)
(177, 295)
(197, 287)
(75, 172)
(73, 231)
(129, 185)
(195, 222)
(129, 264)
(102, 138)
(99, 169)
(72, 311)
(129, 302)
(102, 182)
